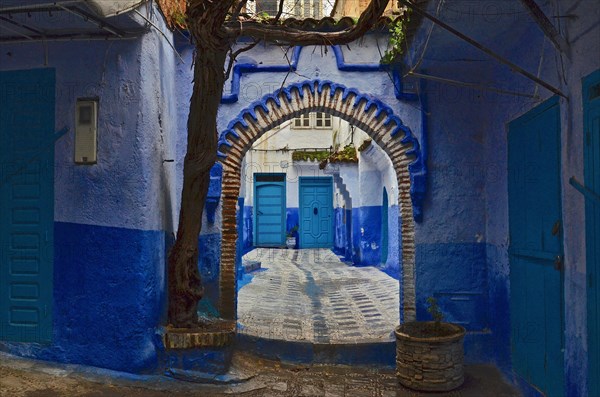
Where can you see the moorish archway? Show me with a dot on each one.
(363, 111)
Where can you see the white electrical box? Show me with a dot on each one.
(86, 131)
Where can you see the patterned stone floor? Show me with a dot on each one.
(309, 295)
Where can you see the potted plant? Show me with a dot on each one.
(290, 240)
(429, 354)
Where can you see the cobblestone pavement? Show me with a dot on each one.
(27, 378)
(310, 295)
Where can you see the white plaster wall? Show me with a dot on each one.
(318, 62)
(272, 153)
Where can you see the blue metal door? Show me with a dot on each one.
(591, 109)
(316, 212)
(26, 204)
(535, 249)
(269, 210)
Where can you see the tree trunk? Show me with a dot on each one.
(184, 280)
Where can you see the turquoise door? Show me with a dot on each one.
(591, 109)
(27, 204)
(384, 227)
(316, 212)
(535, 249)
(269, 210)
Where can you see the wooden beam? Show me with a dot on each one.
(546, 25)
(481, 47)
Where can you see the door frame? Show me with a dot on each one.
(592, 268)
(255, 202)
(527, 116)
(306, 180)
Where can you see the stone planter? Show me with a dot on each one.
(290, 242)
(430, 363)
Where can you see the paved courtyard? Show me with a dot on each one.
(309, 295)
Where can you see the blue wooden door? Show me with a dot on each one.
(26, 204)
(535, 249)
(269, 210)
(384, 227)
(316, 212)
(591, 108)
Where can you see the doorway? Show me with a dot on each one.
(27, 209)
(316, 212)
(269, 210)
(535, 248)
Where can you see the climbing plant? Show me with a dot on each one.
(397, 40)
(215, 26)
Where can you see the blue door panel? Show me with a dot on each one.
(316, 212)
(535, 243)
(27, 204)
(269, 214)
(591, 106)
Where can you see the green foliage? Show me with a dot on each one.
(346, 155)
(262, 16)
(434, 310)
(397, 38)
(179, 18)
(293, 230)
(306, 155)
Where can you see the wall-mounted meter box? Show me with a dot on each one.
(86, 131)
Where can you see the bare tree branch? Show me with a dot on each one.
(238, 9)
(233, 56)
(279, 12)
(294, 36)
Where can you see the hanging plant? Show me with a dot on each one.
(365, 145)
(305, 155)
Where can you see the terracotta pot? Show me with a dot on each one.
(429, 362)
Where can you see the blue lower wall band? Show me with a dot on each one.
(108, 298)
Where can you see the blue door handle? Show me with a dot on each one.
(315, 211)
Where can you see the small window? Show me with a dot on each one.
(322, 120)
(302, 121)
(268, 6)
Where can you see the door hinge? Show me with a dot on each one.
(556, 228)
(558, 263)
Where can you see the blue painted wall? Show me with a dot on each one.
(114, 220)
(248, 238)
(209, 254)
(369, 236)
(108, 298)
(392, 264)
(292, 218)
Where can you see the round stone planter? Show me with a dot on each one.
(290, 242)
(427, 362)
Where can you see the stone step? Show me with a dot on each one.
(250, 265)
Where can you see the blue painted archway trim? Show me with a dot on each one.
(417, 169)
